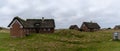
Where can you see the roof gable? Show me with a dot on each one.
(19, 20)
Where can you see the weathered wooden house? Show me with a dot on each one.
(89, 26)
(74, 27)
(20, 27)
(117, 27)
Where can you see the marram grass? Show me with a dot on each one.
(61, 40)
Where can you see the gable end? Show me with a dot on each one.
(14, 21)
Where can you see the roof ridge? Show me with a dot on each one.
(19, 18)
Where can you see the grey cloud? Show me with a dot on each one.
(65, 12)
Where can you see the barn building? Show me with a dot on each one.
(117, 27)
(89, 26)
(20, 27)
(74, 27)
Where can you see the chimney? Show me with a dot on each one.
(91, 22)
(42, 19)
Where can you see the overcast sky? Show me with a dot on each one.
(65, 12)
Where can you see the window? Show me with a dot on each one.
(48, 29)
(44, 29)
(37, 24)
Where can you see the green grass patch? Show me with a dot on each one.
(61, 40)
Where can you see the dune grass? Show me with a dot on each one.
(61, 40)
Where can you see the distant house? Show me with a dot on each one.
(75, 27)
(1, 28)
(117, 27)
(89, 26)
(20, 27)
